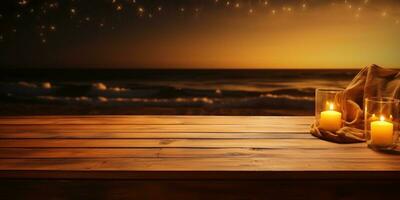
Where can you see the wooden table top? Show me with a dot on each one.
(163, 147)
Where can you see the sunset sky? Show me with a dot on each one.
(200, 34)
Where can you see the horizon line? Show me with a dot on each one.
(87, 67)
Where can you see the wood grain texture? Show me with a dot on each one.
(328, 153)
(199, 164)
(151, 120)
(310, 143)
(182, 147)
(173, 128)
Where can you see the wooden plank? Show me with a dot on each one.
(153, 120)
(165, 147)
(358, 175)
(267, 128)
(148, 135)
(354, 153)
(199, 164)
(199, 143)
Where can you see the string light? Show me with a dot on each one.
(23, 2)
(287, 9)
(43, 10)
(119, 8)
(141, 10)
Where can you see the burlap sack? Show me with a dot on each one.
(372, 81)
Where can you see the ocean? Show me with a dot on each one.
(165, 92)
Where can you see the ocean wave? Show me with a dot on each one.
(290, 97)
(24, 88)
(103, 87)
(263, 101)
(43, 85)
(208, 91)
(127, 90)
(283, 95)
(129, 101)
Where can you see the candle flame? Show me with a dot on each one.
(331, 106)
(373, 117)
(382, 118)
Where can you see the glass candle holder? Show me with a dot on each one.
(381, 122)
(328, 109)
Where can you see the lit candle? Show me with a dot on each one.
(381, 132)
(330, 120)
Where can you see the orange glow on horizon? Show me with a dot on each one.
(328, 37)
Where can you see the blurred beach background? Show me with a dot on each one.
(170, 92)
(187, 57)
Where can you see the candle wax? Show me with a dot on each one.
(330, 120)
(381, 133)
